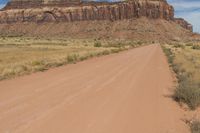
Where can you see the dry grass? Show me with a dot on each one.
(19, 56)
(185, 62)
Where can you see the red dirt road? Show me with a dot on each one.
(120, 93)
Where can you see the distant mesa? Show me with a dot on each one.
(39, 3)
(40, 11)
(19, 4)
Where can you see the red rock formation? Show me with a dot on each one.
(25, 4)
(111, 11)
(184, 23)
(44, 11)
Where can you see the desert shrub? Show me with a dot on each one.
(91, 55)
(72, 58)
(97, 44)
(39, 68)
(118, 45)
(189, 44)
(188, 93)
(179, 46)
(37, 63)
(196, 47)
(139, 43)
(115, 50)
(169, 54)
(105, 52)
(20, 69)
(98, 54)
(57, 64)
(8, 72)
(195, 127)
(133, 45)
(82, 58)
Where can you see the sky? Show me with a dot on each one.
(187, 9)
(2, 3)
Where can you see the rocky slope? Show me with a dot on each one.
(183, 23)
(62, 11)
(141, 29)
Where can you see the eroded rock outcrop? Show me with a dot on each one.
(184, 23)
(99, 11)
(41, 11)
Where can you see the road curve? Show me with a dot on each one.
(126, 92)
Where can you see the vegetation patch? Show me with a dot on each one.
(169, 54)
(183, 62)
(97, 44)
(196, 47)
(20, 55)
(72, 58)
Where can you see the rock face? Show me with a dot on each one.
(184, 23)
(41, 11)
(25, 4)
(90, 11)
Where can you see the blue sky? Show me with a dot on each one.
(2, 3)
(188, 9)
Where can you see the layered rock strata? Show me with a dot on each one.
(40, 11)
(25, 4)
(184, 23)
(108, 11)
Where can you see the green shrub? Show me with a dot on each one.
(97, 44)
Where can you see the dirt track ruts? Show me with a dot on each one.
(128, 92)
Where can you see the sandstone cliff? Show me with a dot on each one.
(43, 11)
(98, 11)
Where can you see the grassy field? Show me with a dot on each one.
(185, 61)
(19, 56)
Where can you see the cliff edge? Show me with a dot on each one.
(59, 11)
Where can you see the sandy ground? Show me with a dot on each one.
(127, 92)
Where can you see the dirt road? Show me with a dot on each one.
(126, 92)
